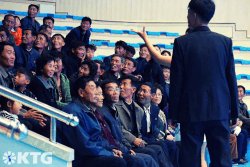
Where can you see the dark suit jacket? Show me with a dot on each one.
(154, 131)
(125, 118)
(76, 34)
(203, 83)
(111, 117)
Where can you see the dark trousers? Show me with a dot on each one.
(242, 143)
(217, 135)
(103, 161)
(157, 153)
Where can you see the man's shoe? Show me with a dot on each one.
(242, 161)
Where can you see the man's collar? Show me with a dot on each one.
(201, 28)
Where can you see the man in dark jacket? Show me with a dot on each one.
(29, 22)
(81, 33)
(203, 90)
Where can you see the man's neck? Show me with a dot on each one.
(146, 105)
(28, 47)
(128, 100)
(22, 88)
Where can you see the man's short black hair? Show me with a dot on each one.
(44, 27)
(3, 44)
(130, 49)
(107, 81)
(25, 72)
(121, 43)
(165, 67)
(80, 83)
(166, 51)
(92, 68)
(204, 8)
(149, 84)
(91, 47)
(102, 65)
(133, 60)
(33, 33)
(242, 87)
(58, 35)
(87, 19)
(36, 6)
(7, 15)
(77, 44)
(2, 28)
(48, 18)
(41, 33)
(157, 47)
(142, 46)
(134, 81)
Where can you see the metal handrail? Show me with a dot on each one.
(54, 113)
(13, 129)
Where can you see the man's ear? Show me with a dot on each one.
(133, 89)
(27, 81)
(9, 104)
(81, 92)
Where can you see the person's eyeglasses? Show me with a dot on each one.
(113, 89)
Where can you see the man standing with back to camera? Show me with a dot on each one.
(203, 90)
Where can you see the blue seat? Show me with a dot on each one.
(96, 43)
(135, 45)
(99, 57)
(111, 44)
(238, 61)
(60, 28)
(51, 15)
(11, 12)
(42, 14)
(60, 16)
(131, 32)
(4, 11)
(153, 33)
(246, 62)
(77, 17)
(244, 48)
(169, 46)
(238, 77)
(243, 76)
(105, 43)
(19, 13)
(236, 47)
(247, 92)
(69, 16)
(116, 31)
(98, 30)
(172, 34)
(69, 27)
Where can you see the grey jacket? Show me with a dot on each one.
(125, 119)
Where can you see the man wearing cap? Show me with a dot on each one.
(203, 90)
(29, 22)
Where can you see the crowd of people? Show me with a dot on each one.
(122, 103)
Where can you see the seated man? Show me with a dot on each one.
(91, 148)
(112, 129)
(116, 66)
(7, 59)
(130, 115)
(120, 49)
(26, 55)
